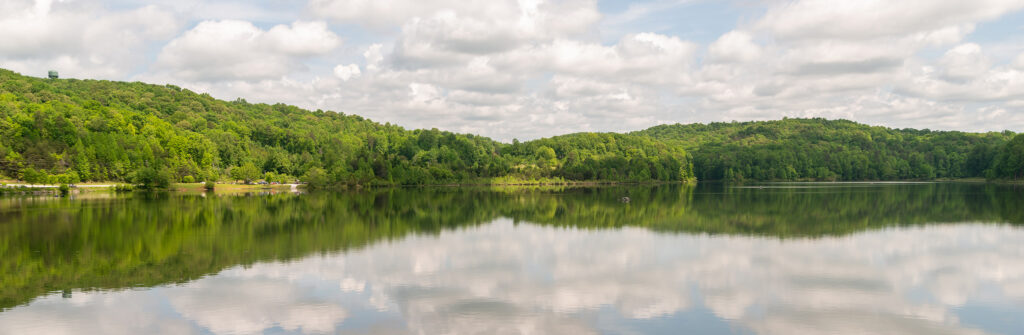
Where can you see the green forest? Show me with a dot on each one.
(830, 150)
(68, 130)
(65, 131)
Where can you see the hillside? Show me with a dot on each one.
(68, 130)
(819, 149)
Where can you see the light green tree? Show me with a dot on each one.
(545, 157)
(248, 172)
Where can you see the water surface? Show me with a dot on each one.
(711, 259)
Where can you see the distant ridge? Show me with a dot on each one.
(820, 149)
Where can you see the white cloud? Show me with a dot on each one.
(373, 57)
(871, 19)
(79, 39)
(815, 59)
(1018, 63)
(378, 14)
(301, 38)
(645, 58)
(861, 61)
(534, 68)
(465, 21)
(229, 49)
(964, 62)
(203, 10)
(734, 46)
(475, 68)
(966, 74)
(567, 87)
(454, 35)
(346, 72)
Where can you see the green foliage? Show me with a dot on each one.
(818, 149)
(600, 157)
(315, 178)
(1010, 161)
(152, 178)
(546, 157)
(64, 189)
(209, 186)
(33, 176)
(65, 178)
(247, 173)
(112, 131)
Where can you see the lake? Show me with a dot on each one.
(786, 258)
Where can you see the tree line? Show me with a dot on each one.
(830, 150)
(68, 130)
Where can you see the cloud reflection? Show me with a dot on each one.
(507, 278)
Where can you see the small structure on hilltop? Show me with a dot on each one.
(53, 74)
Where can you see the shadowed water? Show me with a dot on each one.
(797, 258)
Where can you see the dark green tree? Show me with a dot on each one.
(1010, 164)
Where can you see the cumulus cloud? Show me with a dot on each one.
(965, 74)
(79, 39)
(230, 49)
(734, 46)
(377, 13)
(964, 62)
(861, 61)
(823, 19)
(527, 69)
(452, 36)
(641, 58)
(346, 72)
(816, 60)
(1018, 63)
(466, 22)
(481, 67)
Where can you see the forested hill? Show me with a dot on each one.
(819, 149)
(67, 130)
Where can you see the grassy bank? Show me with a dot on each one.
(17, 188)
(228, 188)
(556, 181)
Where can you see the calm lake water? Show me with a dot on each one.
(799, 258)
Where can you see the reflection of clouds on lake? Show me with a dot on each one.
(892, 281)
(126, 312)
(506, 278)
(226, 305)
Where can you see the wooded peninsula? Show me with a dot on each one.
(68, 131)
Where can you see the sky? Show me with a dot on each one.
(527, 69)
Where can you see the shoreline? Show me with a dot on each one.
(108, 187)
